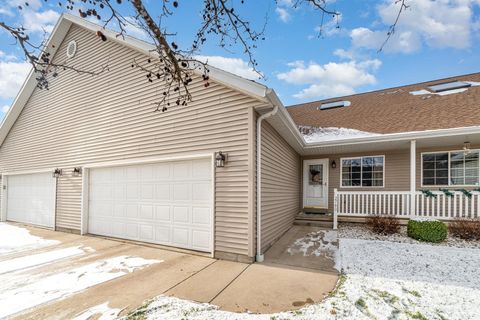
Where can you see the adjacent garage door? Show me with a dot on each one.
(167, 203)
(31, 199)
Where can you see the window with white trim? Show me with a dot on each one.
(454, 168)
(363, 171)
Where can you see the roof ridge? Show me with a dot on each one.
(380, 90)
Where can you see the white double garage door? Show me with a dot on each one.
(169, 203)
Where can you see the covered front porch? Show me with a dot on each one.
(431, 174)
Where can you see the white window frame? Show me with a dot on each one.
(361, 178)
(449, 185)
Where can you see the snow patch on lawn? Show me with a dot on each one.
(30, 294)
(318, 134)
(383, 280)
(39, 259)
(99, 312)
(16, 239)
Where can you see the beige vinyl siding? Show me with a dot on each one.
(69, 201)
(87, 119)
(397, 172)
(280, 185)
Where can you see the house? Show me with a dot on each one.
(91, 156)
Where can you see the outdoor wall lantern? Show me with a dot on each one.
(466, 147)
(57, 173)
(220, 159)
(77, 171)
(334, 164)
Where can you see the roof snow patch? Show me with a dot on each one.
(318, 134)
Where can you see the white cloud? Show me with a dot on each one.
(12, 76)
(35, 21)
(234, 65)
(6, 12)
(5, 108)
(283, 14)
(438, 24)
(331, 79)
(331, 27)
(31, 17)
(344, 54)
(134, 30)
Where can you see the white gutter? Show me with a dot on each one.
(388, 137)
(259, 257)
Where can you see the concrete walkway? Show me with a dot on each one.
(259, 288)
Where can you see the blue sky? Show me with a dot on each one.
(434, 39)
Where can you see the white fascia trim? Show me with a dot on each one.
(402, 136)
(286, 118)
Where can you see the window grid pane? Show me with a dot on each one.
(363, 172)
(462, 167)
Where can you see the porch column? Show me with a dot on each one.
(413, 173)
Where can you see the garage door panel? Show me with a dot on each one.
(201, 239)
(31, 199)
(167, 203)
(201, 216)
(181, 192)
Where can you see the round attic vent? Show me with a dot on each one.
(71, 49)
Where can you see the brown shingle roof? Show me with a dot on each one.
(396, 110)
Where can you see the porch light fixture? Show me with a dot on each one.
(220, 159)
(333, 164)
(466, 147)
(57, 173)
(77, 171)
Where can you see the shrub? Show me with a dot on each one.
(468, 229)
(383, 224)
(427, 230)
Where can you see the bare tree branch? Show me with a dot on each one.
(172, 67)
(392, 28)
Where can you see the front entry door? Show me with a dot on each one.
(315, 183)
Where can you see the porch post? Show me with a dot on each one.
(335, 209)
(413, 173)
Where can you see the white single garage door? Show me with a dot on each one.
(31, 199)
(167, 203)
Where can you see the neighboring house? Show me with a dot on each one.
(90, 156)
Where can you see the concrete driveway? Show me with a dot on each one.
(53, 275)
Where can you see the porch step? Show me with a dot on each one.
(317, 220)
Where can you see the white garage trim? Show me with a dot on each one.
(4, 192)
(139, 161)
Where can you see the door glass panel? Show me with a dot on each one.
(315, 174)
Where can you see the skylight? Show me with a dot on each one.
(334, 104)
(449, 86)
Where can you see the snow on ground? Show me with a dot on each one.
(17, 298)
(361, 231)
(322, 243)
(381, 280)
(99, 312)
(16, 239)
(39, 259)
(315, 134)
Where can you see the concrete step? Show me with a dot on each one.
(318, 220)
(313, 223)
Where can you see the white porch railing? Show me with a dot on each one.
(397, 203)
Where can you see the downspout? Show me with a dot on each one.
(259, 256)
